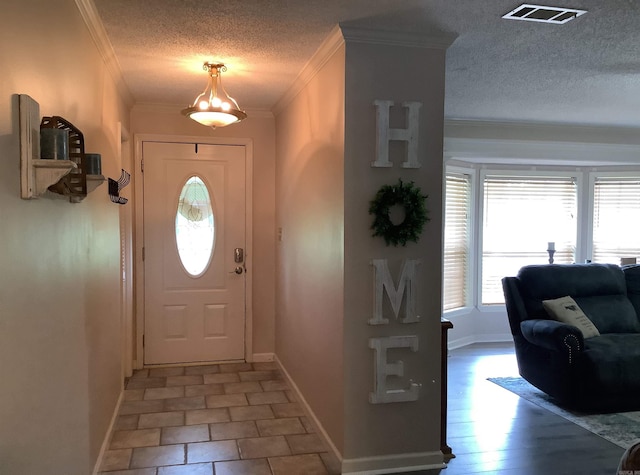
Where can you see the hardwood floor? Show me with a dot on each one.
(493, 431)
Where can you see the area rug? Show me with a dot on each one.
(622, 428)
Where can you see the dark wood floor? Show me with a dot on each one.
(493, 431)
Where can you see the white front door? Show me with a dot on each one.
(194, 242)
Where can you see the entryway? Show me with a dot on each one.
(195, 252)
(235, 418)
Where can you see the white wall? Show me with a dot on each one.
(60, 352)
(310, 253)
(475, 326)
(407, 68)
(325, 144)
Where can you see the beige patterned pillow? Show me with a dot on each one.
(566, 310)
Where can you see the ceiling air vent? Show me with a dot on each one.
(539, 13)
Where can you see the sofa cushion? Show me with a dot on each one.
(610, 313)
(600, 290)
(611, 362)
(544, 282)
(632, 278)
(566, 310)
(578, 280)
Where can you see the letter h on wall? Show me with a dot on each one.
(384, 134)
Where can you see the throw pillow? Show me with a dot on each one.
(566, 310)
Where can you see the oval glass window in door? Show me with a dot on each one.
(195, 226)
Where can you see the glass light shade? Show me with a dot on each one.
(213, 118)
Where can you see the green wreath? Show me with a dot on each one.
(408, 196)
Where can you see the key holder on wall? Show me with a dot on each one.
(116, 186)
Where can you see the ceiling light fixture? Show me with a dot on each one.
(214, 107)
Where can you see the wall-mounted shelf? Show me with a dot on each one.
(65, 177)
(47, 173)
(29, 123)
(70, 184)
(94, 181)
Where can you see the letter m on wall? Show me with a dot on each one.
(383, 283)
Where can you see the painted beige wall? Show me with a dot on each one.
(310, 207)
(326, 139)
(260, 128)
(397, 73)
(60, 353)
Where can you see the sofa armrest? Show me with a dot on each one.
(516, 311)
(553, 335)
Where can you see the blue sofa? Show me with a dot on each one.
(601, 373)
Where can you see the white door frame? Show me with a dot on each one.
(126, 260)
(139, 226)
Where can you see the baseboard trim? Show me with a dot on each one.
(396, 463)
(310, 414)
(494, 338)
(262, 357)
(470, 340)
(460, 342)
(107, 437)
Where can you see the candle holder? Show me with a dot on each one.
(551, 253)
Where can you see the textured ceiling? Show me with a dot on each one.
(584, 72)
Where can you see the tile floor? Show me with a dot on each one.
(226, 419)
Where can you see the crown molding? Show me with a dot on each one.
(359, 34)
(92, 19)
(561, 132)
(342, 34)
(326, 50)
(544, 143)
(527, 143)
(539, 152)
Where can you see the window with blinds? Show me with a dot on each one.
(456, 240)
(521, 215)
(616, 219)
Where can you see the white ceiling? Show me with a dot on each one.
(584, 72)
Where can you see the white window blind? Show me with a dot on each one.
(521, 216)
(616, 219)
(456, 240)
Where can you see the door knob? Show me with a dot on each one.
(238, 270)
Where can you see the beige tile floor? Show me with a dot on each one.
(227, 419)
